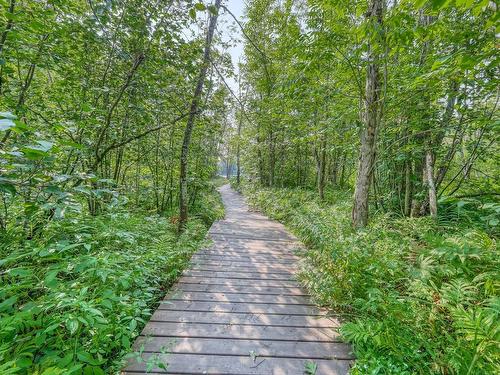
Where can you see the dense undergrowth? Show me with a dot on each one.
(73, 300)
(418, 296)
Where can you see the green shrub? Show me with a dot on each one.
(75, 299)
(418, 296)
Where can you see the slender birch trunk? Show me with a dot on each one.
(195, 103)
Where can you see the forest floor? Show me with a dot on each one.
(238, 309)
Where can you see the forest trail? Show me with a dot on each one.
(239, 310)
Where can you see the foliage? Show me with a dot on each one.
(418, 297)
(304, 92)
(75, 299)
(93, 102)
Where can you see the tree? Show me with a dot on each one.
(194, 108)
(371, 116)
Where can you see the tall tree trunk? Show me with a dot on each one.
(272, 159)
(183, 196)
(408, 188)
(321, 166)
(371, 120)
(4, 35)
(429, 171)
(418, 171)
(342, 169)
(238, 149)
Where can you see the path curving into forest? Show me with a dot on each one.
(239, 310)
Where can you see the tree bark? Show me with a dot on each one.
(321, 166)
(408, 188)
(238, 150)
(183, 185)
(429, 171)
(371, 122)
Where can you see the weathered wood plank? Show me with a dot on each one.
(238, 282)
(243, 258)
(237, 238)
(253, 251)
(255, 308)
(236, 365)
(247, 265)
(239, 275)
(261, 228)
(246, 269)
(178, 295)
(237, 331)
(246, 289)
(283, 349)
(233, 242)
(284, 320)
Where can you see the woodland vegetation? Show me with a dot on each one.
(369, 127)
(94, 98)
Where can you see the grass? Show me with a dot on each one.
(419, 296)
(73, 300)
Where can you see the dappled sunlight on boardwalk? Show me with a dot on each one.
(239, 310)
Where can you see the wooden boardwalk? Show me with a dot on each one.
(238, 309)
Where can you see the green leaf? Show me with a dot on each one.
(8, 115)
(212, 9)
(86, 107)
(88, 358)
(66, 360)
(310, 368)
(72, 325)
(107, 303)
(51, 279)
(132, 325)
(33, 153)
(162, 365)
(24, 362)
(22, 272)
(7, 187)
(44, 145)
(6, 124)
(420, 3)
(192, 13)
(200, 6)
(8, 304)
(74, 369)
(438, 4)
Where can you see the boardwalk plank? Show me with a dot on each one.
(262, 268)
(243, 259)
(240, 331)
(239, 275)
(243, 266)
(284, 320)
(255, 308)
(237, 282)
(238, 365)
(178, 295)
(283, 349)
(246, 289)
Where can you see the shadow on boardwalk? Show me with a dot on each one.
(239, 310)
